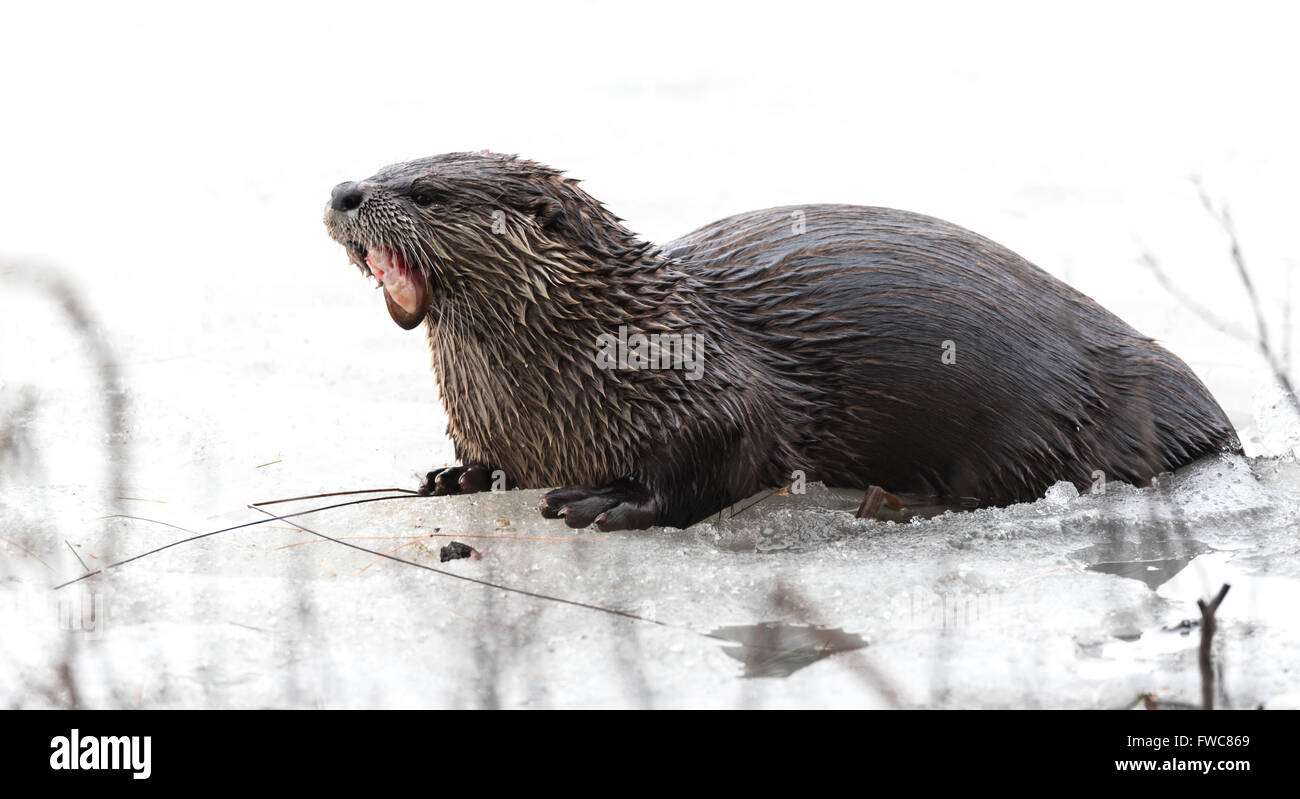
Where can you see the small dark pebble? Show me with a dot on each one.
(456, 550)
(1183, 627)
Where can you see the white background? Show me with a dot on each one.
(172, 163)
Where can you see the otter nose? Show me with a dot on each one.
(346, 196)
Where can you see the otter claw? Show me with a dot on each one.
(622, 505)
(547, 509)
(433, 485)
(468, 479)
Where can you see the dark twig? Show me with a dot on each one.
(197, 536)
(874, 498)
(766, 496)
(1208, 627)
(286, 517)
(333, 494)
(75, 555)
(508, 589)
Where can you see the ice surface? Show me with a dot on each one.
(231, 354)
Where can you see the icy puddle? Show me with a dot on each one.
(1153, 561)
(773, 649)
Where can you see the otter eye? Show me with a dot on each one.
(424, 197)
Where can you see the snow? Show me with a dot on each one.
(172, 170)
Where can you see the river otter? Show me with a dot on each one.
(861, 346)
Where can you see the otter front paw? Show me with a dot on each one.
(621, 505)
(468, 479)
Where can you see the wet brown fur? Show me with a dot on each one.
(823, 351)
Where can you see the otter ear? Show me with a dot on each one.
(547, 211)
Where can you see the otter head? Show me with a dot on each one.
(490, 232)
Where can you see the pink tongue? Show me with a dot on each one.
(390, 268)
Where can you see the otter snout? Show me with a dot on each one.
(347, 196)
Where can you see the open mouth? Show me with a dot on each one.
(405, 289)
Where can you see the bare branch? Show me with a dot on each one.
(1225, 221)
(1262, 340)
(1208, 627)
(1209, 317)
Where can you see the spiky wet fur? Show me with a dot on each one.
(823, 348)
